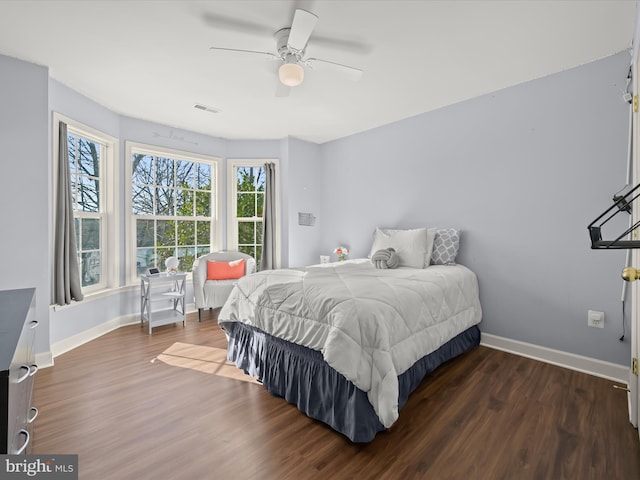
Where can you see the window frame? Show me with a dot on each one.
(232, 197)
(108, 207)
(130, 219)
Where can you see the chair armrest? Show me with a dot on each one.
(199, 272)
(249, 265)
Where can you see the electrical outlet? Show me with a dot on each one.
(595, 319)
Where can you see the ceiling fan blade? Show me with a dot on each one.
(303, 24)
(355, 46)
(352, 73)
(224, 22)
(271, 56)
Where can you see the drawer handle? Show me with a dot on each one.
(33, 369)
(34, 323)
(34, 415)
(26, 375)
(26, 441)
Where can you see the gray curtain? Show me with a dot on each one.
(268, 258)
(66, 274)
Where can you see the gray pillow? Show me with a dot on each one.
(445, 246)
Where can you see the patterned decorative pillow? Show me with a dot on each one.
(445, 246)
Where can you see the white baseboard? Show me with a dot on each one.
(592, 366)
(46, 359)
(81, 338)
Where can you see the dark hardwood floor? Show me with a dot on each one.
(166, 406)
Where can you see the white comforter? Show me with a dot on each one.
(370, 325)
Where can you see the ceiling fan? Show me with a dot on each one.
(291, 44)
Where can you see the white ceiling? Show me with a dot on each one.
(151, 59)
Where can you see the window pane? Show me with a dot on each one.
(204, 233)
(246, 233)
(203, 250)
(90, 268)
(203, 181)
(163, 254)
(260, 202)
(165, 201)
(144, 259)
(246, 205)
(88, 194)
(203, 204)
(164, 171)
(166, 234)
(258, 254)
(186, 233)
(184, 203)
(90, 234)
(144, 233)
(248, 178)
(71, 146)
(186, 257)
(74, 189)
(260, 178)
(184, 174)
(77, 223)
(142, 201)
(248, 249)
(88, 162)
(259, 233)
(142, 169)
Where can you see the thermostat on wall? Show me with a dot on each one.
(306, 219)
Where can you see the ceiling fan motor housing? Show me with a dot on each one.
(282, 47)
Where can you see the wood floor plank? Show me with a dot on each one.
(165, 406)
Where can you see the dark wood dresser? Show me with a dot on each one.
(17, 368)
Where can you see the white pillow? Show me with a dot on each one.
(413, 247)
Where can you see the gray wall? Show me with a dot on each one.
(24, 184)
(303, 195)
(522, 171)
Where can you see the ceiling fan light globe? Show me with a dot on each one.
(291, 74)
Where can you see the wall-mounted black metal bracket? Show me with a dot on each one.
(621, 203)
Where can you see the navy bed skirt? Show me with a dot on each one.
(301, 376)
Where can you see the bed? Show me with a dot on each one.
(347, 342)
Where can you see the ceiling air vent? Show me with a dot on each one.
(199, 106)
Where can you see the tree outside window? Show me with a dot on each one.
(172, 207)
(85, 158)
(249, 204)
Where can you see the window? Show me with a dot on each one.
(247, 183)
(85, 156)
(92, 170)
(173, 205)
(249, 203)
